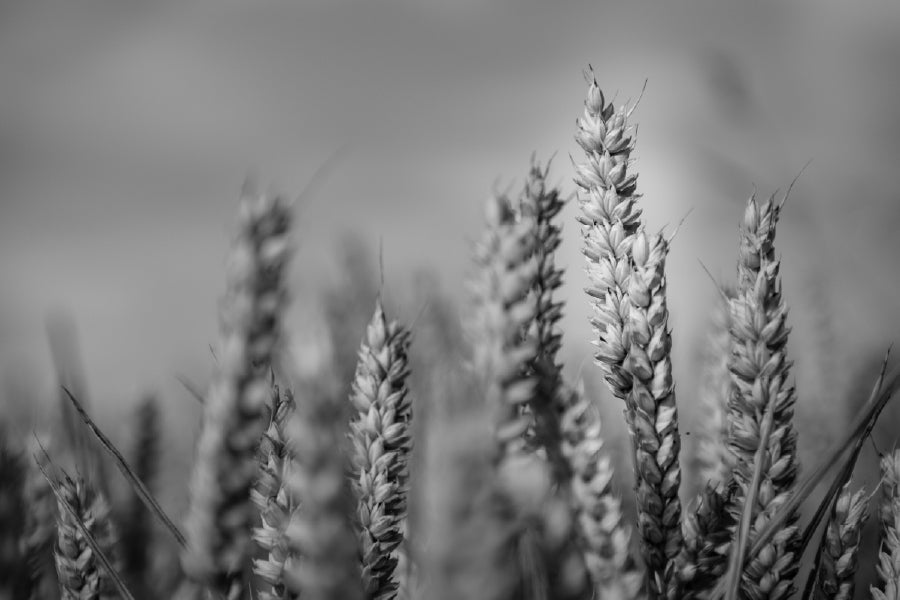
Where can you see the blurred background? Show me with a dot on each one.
(128, 128)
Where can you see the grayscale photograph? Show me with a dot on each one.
(449, 300)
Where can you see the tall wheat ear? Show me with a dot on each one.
(381, 438)
(610, 219)
(762, 436)
(888, 568)
(221, 514)
(514, 344)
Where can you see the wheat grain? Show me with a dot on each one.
(221, 514)
(380, 433)
(841, 546)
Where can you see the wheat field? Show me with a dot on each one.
(459, 460)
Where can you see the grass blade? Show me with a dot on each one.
(127, 471)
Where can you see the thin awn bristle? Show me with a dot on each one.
(610, 218)
(381, 437)
(654, 416)
(760, 372)
(221, 514)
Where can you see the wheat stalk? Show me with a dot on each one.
(380, 433)
(221, 514)
(599, 522)
(654, 416)
(137, 529)
(840, 547)
(609, 219)
(760, 371)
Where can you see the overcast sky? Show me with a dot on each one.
(127, 128)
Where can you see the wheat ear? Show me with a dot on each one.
(542, 203)
(599, 523)
(322, 561)
(609, 219)
(503, 309)
(79, 568)
(707, 535)
(380, 433)
(654, 416)
(760, 371)
(272, 499)
(221, 514)
(888, 567)
(840, 548)
(714, 462)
